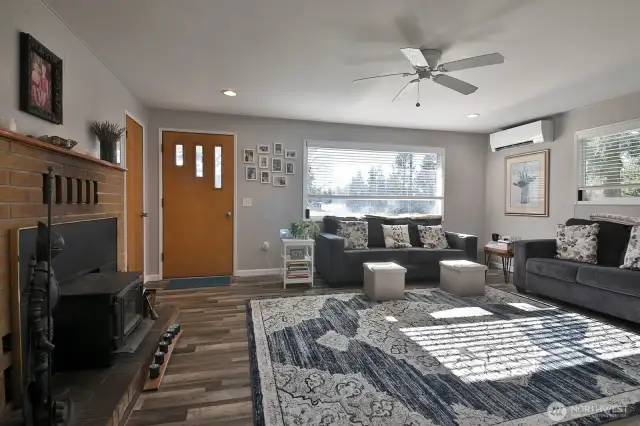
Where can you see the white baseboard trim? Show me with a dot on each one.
(257, 272)
(152, 278)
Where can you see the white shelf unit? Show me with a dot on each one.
(306, 263)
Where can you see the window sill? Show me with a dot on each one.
(611, 202)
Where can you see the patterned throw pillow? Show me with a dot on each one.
(578, 242)
(632, 256)
(355, 234)
(396, 236)
(433, 237)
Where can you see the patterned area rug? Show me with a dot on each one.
(437, 359)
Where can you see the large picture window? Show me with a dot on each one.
(609, 163)
(350, 179)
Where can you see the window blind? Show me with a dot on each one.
(371, 174)
(611, 161)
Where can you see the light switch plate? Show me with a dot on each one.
(247, 202)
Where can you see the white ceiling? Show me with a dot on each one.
(297, 58)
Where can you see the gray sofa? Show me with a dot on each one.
(602, 287)
(340, 267)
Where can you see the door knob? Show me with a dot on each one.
(228, 214)
(143, 214)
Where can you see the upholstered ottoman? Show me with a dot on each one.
(462, 277)
(384, 281)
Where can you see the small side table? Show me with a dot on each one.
(297, 270)
(505, 254)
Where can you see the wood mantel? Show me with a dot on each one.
(16, 137)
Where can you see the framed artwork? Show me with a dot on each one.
(265, 176)
(251, 172)
(40, 80)
(264, 149)
(249, 156)
(276, 165)
(279, 181)
(290, 153)
(278, 148)
(297, 253)
(289, 168)
(527, 184)
(263, 162)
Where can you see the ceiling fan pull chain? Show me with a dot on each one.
(418, 103)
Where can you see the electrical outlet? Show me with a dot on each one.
(247, 202)
(265, 246)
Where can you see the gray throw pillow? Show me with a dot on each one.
(578, 243)
(355, 234)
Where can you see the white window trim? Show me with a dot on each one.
(595, 132)
(374, 147)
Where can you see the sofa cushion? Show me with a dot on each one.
(376, 238)
(608, 278)
(331, 223)
(355, 234)
(564, 270)
(632, 255)
(578, 243)
(396, 236)
(418, 255)
(358, 257)
(433, 237)
(612, 240)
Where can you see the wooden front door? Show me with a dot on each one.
(197, 181)
(135, 196)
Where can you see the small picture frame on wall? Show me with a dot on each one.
(263, 162)
(265, 176)
(276, 165)
(290, 153)
(264, 149)
(278, 148)
(251, 172)
(249, 156)
(289, 168)
(527, 184)
(279, 181)
(40, 80)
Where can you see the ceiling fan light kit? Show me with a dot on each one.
(426, 65)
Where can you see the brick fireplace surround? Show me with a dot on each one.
(84, 188)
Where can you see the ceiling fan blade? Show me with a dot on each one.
(404, 74)
(406, 89)
(475, 62)
(415, 56)
(455, 84)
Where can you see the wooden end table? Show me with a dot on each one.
(506, 255)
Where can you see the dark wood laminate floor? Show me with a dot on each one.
(207, 381)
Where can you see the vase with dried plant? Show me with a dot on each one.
(108, 134)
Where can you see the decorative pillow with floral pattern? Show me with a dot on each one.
(632, 256)
(433, 237)
(396, 236)
(578, 243)
(355, 234)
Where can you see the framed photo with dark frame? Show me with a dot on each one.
(40, 80)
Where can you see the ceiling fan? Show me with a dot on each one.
(427, 66)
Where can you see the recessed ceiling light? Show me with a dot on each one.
(229, 92)
(635, 132)
(474, 115)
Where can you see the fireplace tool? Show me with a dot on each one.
(43, 295)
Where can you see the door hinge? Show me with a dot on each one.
(162, 257)
(162, 148)
(162, 203)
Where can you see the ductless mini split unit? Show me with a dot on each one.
(536, 132)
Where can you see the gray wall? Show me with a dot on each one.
(562, 179)
(275, 208)
(90, 90)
